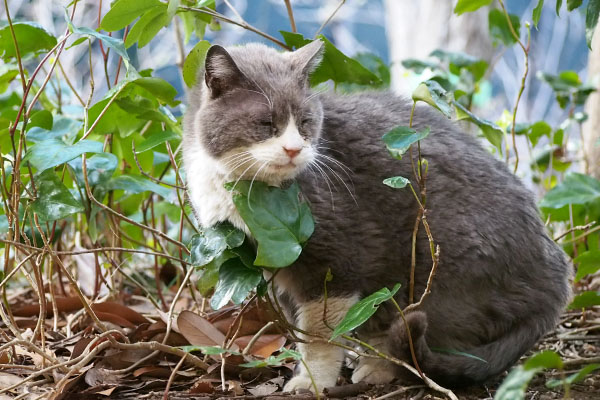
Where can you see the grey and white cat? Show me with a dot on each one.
(501, 282)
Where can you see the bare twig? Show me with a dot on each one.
(337, 8)
(525, 49)
(573, 229)
(290, 12)
(241, 23)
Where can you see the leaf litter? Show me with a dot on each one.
(141, 351)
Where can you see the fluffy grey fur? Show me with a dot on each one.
(501, 282)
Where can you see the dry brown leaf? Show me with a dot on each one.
(63, 304)
(4, 357)
(235, 387)
(249, 326)
(264, 389)
(198, 331)
(98, 376)
(264, 346)
(153, 371)
(123, 311)
(115, 319)
(202, 386)
(107, 392)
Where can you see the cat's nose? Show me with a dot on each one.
(292, 152)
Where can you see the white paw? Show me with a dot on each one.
(301, 383)
(374, 372)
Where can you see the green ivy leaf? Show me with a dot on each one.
(136, 184)
(591, 20)
(573, 4)
(137, 30)
(54, 201)
(544, 359)
(589, 262)
(278, 220)
(399, 139)
(155, 139)
(464, 6)
(194, 62)
(235, 283)
(537, 130)
(123, 12)
(585, 300)
(209, 274)
(515, 384)
(576, 188)
(100, 167)
(499, 28)
(158, 87)
(274, 361)
(458, 61)
(32, 39)
(491, 131)
(63, 128)
(432, 93)
(8, 72)
(419, 65)
(335, 65)
(211, 242)
(537, 12)
(396, 182)
(573, 378)
(53, 152)
(359, 313)
(114, 43)
(558, 7)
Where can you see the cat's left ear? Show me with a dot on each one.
(308, 57)
(221, 73)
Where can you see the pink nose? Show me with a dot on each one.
(292, 152)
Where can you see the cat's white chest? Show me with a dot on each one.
(210, 200)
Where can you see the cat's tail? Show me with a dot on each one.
(454, 368)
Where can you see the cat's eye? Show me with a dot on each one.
(305, 121)
(266, 122)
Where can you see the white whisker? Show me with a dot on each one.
(338, 177)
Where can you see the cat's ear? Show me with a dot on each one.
(221, 74)
(308, 57)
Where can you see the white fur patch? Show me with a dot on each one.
(265, 161)
(323, 359)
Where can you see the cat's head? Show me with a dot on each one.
(254, 112)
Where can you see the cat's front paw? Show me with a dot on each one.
(301, 383)
(374, 372)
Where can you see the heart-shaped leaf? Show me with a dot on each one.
(359, 313)
(277, 218)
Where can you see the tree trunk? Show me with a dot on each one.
(416, 28)
(591, 128)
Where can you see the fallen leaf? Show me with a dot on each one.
(63, 304)
(154, 371)
(115, 319)
(249, 326)
(202, 386)
(198, 331)
(123, 311)
(264, 346)
(264, 389)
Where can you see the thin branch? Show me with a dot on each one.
(242, 24)
(523, 79)
(290, 12)
(340, 4)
